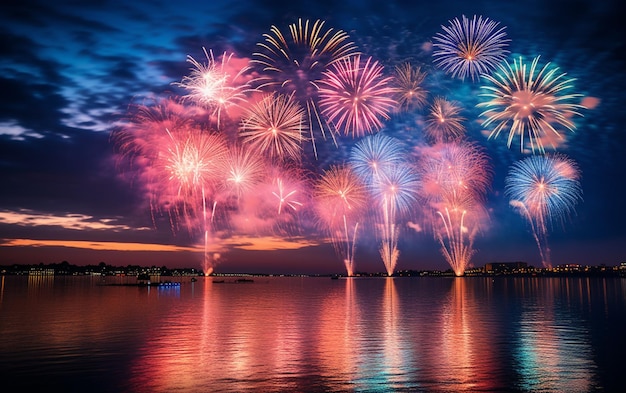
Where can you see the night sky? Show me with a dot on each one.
(70, 70)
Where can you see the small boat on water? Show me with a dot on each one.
(168, 284)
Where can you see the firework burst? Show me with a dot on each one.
(215, 85)
(408, 83)
(295, 66)
(186, 166)
(468, 48)
(541, 189)
(244, 171)
(340, 199)
(355, 96)
(444, 122)
(274, 127)
(455, 178)
(396, 191)
(375, 154)
(530, 103)
(381, 163)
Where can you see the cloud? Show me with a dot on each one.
(79, 222)
(267, 243)
(95, 245)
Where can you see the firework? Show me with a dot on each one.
(179, 162)
(408, 82)
(396, 191)
(355, 96)
(381, 162)
(398, 187)
(444, 121)
(340, 199)
(146, 125)
(456, 239)
(455, 178)
(215, 85)
(375, 154)
(244, 171)
(451, 170)
(530, 103)
(468, 48)
(274, 127)
(183, 168)
(542, 189)
(295, 65)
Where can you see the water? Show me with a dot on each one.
(314, 335)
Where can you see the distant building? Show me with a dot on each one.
(505, 267)
(41, 271)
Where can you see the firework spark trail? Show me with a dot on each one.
(396, 190)
(355, 96)
(456, 246)
(469, 48)
(538, 230)
(182, 165)
(295, 66)
(215, 86)
(340, 198)
(194, 161)
(408, 83)
(444, 122)
(286, 196)
(382, 164)
(529, 103)
(543, 189)
(455, 177)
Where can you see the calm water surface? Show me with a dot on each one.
(276, 334)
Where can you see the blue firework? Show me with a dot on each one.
(468, 48)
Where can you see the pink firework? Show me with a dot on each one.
(244, 172)
(181, 166)
(216, 85)
(356, 97)
(450, 170)
(193, 162)
(274, 127)
(145, 126)
(455, 178)
(444, 122)
(340, 199)
(456, 226)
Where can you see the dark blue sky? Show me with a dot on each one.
(70, 69)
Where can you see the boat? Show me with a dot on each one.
(168, 284)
